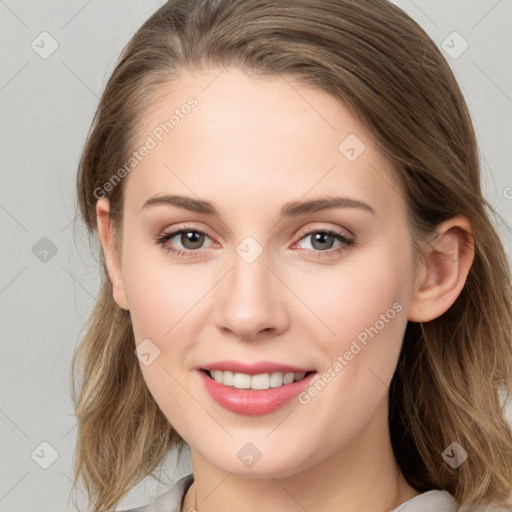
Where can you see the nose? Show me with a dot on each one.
(251, 301)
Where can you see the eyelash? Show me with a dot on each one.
(165, 237)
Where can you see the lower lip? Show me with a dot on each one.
(253, 402)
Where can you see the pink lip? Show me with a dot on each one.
(254, 368)
(253, 402)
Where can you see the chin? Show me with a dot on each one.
(251, 462)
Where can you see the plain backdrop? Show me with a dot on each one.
(56, 56)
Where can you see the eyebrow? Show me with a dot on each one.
(290, 209)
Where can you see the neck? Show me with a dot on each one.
(362, 475)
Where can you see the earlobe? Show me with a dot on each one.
(106, 235)
(447, 261)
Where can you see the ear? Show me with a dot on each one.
(112, 259)
(443, 272)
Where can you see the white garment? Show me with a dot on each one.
(170, 500)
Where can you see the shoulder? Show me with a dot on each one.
(435, 501)
(168, 501)
(430, 501)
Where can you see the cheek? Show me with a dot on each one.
(362, 307)
(354, 295)
(162, 299)
(160, 294)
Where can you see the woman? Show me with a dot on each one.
(297, 250)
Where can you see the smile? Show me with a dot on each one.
(255, 382)
(254, 395)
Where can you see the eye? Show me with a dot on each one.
(190, 239)
(323, 240)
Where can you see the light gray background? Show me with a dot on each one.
(46, 106)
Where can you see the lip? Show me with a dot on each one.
(255, 368)
(253, 402)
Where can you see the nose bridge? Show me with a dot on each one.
(251, 279)
(249, 302)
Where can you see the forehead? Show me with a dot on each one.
(230, 135)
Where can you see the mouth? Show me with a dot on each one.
(257, 382)
(254, 388)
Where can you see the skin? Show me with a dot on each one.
(250, 146)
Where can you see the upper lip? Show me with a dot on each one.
(255, 368)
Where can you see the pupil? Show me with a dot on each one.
(320, 237)
(192, 239)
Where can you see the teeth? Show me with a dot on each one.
(261, 381)
(276, 380)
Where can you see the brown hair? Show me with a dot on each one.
(373, 57)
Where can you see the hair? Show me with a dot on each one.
(454, 373)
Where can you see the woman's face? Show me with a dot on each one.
(271, 281)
